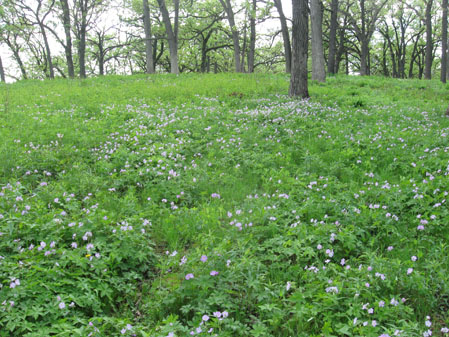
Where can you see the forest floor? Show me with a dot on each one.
(217, 205)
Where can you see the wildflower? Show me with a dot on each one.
(61, 305)
(217, 314)
(409, 271)
(288, 286)
(381, 304)
(213, 273)
(183, 260)
(189, 276)
(203, 258)
(224, 314)
(205, 318)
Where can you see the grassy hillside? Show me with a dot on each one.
(217, 205)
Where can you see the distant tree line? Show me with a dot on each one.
(80, 38)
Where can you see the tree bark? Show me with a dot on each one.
(2, 71)
(300, 39)
(47, 51)
(429, 44)
(68, 37)
(444, 43)
(316, 18)
(11, 42)
(285, 36)
(82, 38)
(235, 34)
(333, 37)
(171, 36)
(252, 40)
(148, 44)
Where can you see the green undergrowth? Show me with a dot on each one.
(217, 205)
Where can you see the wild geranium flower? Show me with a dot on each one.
(224, 314)
(287, 287)
(189, 276)
(61, 305)
(205, 318)
(409, 271)
(217, 314)
(203, 258)
(215, 195)
(213, 273)
(414, 258)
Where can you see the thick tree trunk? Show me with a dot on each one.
(316, 18)
(2, 71)
(333, 38)
(68, 37)
(235, 34)
(172, 38)
(364, 58)
(148, 44)
(429, 44)
(252, 40)
(300, 39)
(285, 36)
(444, 43)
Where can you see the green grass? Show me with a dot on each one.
(324, 217)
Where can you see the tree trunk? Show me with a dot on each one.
(148, 44)
(252, 40)
(18, 59)
(333, 38)
(68, 37)
(172, 38)
(82, 39)
(235, 34)
(444, 43)
(429, 44)
(300, 39)
(47, 51)
(285, 36)
(364, 58)
(316, 18)
(2, 71)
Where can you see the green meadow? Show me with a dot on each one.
(216, 205)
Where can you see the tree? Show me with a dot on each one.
(363, 16)
(252, 43)
(148, 43)
(429, 41)
(172, 33)
(68, 37)
(444, 42)
(234, 32)
(300, 39)
(36, 16)
(285, 36)
(331, 69)
(316, 18)
(85, 14)
(2, 71)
